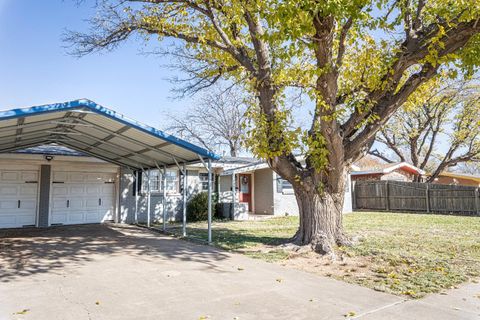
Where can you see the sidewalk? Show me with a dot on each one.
(459, 304)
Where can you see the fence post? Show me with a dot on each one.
(477, 206)
(427, 197)
(387, 197)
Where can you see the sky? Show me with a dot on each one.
(36, 69)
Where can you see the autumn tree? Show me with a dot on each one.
(357, 60)
(214, 121)
(437, 128)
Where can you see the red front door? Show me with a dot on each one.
(245, 190)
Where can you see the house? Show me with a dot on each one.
(78, 162)
(260, 191)
(454, 178)
(399, 171)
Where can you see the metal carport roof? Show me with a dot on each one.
(94, 130)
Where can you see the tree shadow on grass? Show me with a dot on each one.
(26, 252)
(232, 239)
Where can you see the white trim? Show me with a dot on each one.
(263, 165)
(245, 169)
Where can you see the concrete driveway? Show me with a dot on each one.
(123, 272)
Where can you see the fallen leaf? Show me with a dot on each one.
(279, 280)
(240, 269)
(97, 303)
(349, 314)
(24, 311)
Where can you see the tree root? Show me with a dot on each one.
(344, 241)
(322, 244)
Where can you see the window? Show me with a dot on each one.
(156, 181)
(286, 184)
(283, 186)
(172, 181)
(203, 176)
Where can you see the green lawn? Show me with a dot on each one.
(407, 254)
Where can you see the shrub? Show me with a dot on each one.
(197, 207)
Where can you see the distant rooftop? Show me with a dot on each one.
(51, 149)
(383, 168)
(460, 175)
(239, 160)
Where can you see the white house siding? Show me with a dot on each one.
(263, 191)
(285, 202)
(347, 202)
(225, 189)
(174, 201)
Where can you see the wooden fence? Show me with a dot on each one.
(414, 196)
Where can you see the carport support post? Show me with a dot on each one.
(164, 199)
(209, 201)
(148, 198)
(136, 197)
(234, 196)
(184, 227)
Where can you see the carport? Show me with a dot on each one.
(91, 129)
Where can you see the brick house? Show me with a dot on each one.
(399, 171)
(462, 179)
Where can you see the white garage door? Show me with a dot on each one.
(80, 197)
(18, 198)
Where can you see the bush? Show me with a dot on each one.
(197, 207)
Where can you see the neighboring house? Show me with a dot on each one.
(260, 191)
(400, 171)
(462, 179)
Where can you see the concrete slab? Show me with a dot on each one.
(112, 272)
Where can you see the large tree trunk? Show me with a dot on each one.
(320, 212)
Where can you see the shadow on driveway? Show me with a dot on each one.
(25, 252)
